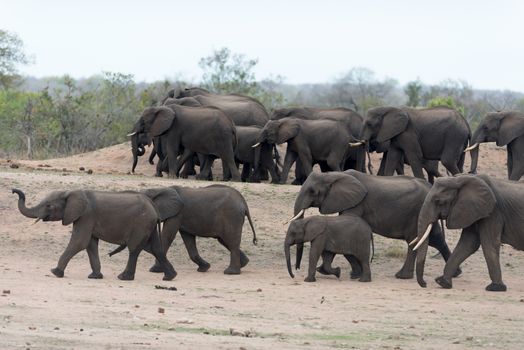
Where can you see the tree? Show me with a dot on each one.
(227, 72)
(413, 90)
(11, 55)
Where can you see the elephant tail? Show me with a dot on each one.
(372, 248)
(255, 241)
(118, 249)
(277, 156)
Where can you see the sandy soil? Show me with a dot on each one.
(263, 308)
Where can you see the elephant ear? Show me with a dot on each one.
(76, 205)
(167, 201)
(511, 127)
(314, 228)
(474, 200)
(344, 192)
(163, 119)
(393, 123)
(287, 130)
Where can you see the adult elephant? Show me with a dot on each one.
(506, 129)
(214, 211)
(438, 133)
(204, 130)
(389, 204)
(127, 217)
(489, 212)
(308, 140)
(356, 158)
(243, 110)
(254, 160)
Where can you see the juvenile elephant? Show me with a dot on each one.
(214, 211)
(438, 133)
(489, 212)
(128, 218)
(254, 159)
(204, 130)
(310, 141)
(504, 128)
(330, 235)
(389, 204)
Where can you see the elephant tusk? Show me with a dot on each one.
(300, 213)
(356, 144)
(471, 147)
(424, 236)
(256, 145)
(413, 241)
(36, 221)
(133, 133)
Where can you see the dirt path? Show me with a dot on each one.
(264, 307)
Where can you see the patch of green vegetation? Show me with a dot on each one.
(202, 330)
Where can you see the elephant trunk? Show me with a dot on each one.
(137, 150)
(28, 212)
(427, 217)
(476, 139)
(300, 251)
(287, 251)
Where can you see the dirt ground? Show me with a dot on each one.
(263, 308)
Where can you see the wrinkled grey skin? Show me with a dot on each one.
(438, 133)
(310, 141)
(389, 204)
(243, 110)
(356, 158)
(489, 212)
(506, 129)
(254, 160)
(329, 235)
(128, 218)
(214, 211)
(203, 130)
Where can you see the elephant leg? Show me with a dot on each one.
(315, 251)
(169, 231)
(334, 162)
(307, 162)
(438, 241)
(406, 272)
(155, 244)
(326, 268)
(490, 233)
(247, 175)
(363, 261)
(79, 240)
(450, 160)
(94, 259)
(392, 160)
(172, 160)
(233, 246)
(188, 168)
(515, 160)
(206, 162)
(192, 250)
(129, 272)
(289, 159)
(356, 267)
(184, 158)
(300, 177)
(228, 161)
(159, 167)
(468, 244)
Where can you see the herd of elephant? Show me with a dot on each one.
(196, 127)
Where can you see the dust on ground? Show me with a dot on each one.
(263, 308)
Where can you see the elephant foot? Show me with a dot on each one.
(403, 275)
(201, 177)
(232, 271)
(458, 272)
(95, 275)
(169, 276)
(183, 176)
(57, 272)
(156, 268)
(355, 274)
(310, 279)
(333, 271)
(322, 270)
(443, 282)
(496, 287)
(295, 182)
(159, 175)
(365, 278)
(243, 260)
(126, 276)
(422, 283)
(203, 267)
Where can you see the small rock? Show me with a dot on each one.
(355, 321)
(6, 291)
(56, 329)
(236, 333)
(161, 310)
(81, 168)
(81, 329)
(137, 306)
(90, 171)
(259, 289)
(32, 328)
(14, 166)
(64, 169)
(185, 321)
(522, 300)
(469, 338)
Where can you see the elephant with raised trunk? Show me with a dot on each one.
(506, 129)
(128, 218)
(330, 235)
(420, 135)
(490, 213)
(390, 205)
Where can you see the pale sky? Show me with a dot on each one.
(304, 41)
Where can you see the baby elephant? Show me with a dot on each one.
(329, 235)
